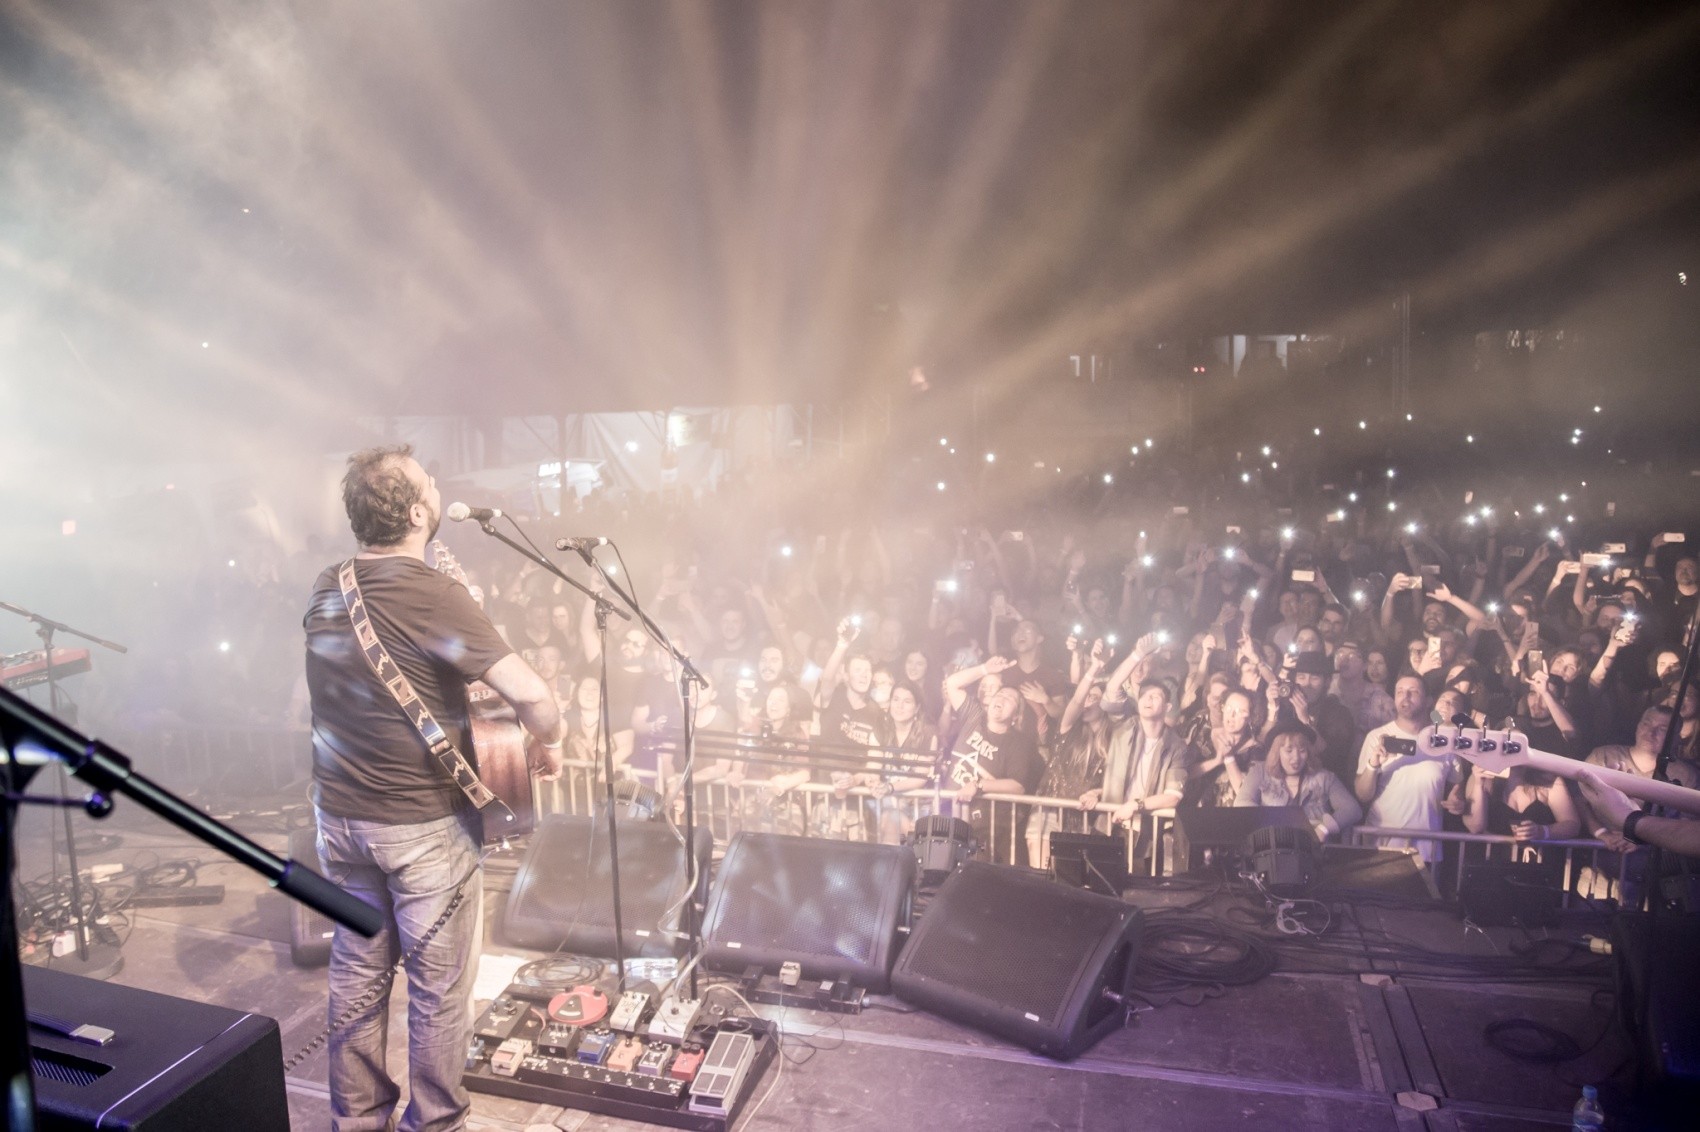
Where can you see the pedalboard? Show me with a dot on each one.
(570, 1053)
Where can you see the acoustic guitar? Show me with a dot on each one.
(498, 739)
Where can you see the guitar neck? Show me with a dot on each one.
(1646, 789)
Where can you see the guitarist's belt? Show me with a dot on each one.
(384, 668)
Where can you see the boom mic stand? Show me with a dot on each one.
(30, 737)
(689, 678)
(99, 960)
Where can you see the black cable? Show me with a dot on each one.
(1528, 1040)
(1181, 950)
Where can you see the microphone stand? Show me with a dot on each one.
(689, 678)
(603, 608)
(30, 737)
(109, 960)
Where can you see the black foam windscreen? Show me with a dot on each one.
(1022, 957)
(172, 1065)
(563, 892)
(833, 907)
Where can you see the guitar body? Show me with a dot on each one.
(503, 765)
(498, 741)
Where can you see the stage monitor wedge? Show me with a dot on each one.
(836, 908)
(1034, 962)
(563, 894)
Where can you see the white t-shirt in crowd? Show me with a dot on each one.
(1408, 790)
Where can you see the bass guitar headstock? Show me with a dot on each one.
(1494, 753)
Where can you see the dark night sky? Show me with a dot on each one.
(424, 207)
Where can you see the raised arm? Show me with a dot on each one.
(956, 684)
(1115, 693)
(1443, 593)
(1094, 665)
(847, 631)
(1528, 571)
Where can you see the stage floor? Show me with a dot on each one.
(1325, 1047)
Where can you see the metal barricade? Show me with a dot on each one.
(1477, 848)
(728, 805)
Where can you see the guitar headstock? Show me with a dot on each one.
(1493, 752)
(445, 561)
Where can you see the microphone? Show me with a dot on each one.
(460, 512)
(582, 545)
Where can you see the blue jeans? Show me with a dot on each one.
(411, 872)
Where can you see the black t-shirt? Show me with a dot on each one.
(626, 690)
(865, 726)
(981, 753)
(369, 763)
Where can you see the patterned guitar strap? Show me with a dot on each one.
(384, 668)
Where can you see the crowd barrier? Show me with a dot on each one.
(727, 807)
(246, 761)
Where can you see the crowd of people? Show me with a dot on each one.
(1212, 657)
(1129, 649)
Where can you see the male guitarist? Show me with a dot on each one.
(395, 829)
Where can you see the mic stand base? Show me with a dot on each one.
(103, 961)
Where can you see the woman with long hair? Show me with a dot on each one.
(1289, 777)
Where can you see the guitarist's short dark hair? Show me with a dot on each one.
(377, 494)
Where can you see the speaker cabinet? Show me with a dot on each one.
(563, 894)
(1019, 956)
(310, 932)
(171, 1066)
(833, 907)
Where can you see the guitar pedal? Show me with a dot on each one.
(685, 1066)
(673, 1021)
(595, 1046)
(654, 1061)
(505, 1061)
(629, 1011)
(556, 1039)
(581, 1006)
(500, 1019)
(624, 1056)
(721, 1076)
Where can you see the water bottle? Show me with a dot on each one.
(1588, 1116)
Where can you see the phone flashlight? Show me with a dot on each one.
(1162, 636)
(1110, 640)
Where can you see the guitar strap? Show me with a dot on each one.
(384, 668)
